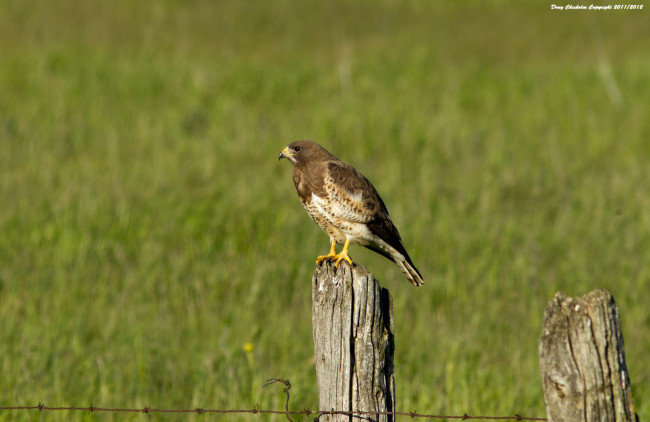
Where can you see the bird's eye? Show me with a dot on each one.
(297, 149)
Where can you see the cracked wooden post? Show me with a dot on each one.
(352, 319)
(582, 360)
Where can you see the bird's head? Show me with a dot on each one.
(300, 151)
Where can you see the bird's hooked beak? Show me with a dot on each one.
(286, 153)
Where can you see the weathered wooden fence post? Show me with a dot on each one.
(352, 319)
(582, 360)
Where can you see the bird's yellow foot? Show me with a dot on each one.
(342, 256)
(330, 256)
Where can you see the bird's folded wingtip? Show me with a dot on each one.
(412, 274)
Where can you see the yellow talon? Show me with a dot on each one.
(343, 255)
(329, 256)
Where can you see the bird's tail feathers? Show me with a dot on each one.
(409, 270)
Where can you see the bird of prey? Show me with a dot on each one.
(346, 206)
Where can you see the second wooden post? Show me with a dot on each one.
(582, 360)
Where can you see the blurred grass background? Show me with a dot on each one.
(153, 251)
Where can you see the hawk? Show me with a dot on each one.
(346, 206)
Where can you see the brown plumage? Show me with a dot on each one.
(346, 206)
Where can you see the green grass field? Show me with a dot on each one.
(148, 232)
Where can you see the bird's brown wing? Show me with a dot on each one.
(350, 195)
(365, 205)
(354, 189)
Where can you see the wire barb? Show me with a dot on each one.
(287, 387)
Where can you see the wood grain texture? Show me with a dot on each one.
(353, 342)
(582, 360)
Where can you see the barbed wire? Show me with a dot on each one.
(305, 412)
(256, 411)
